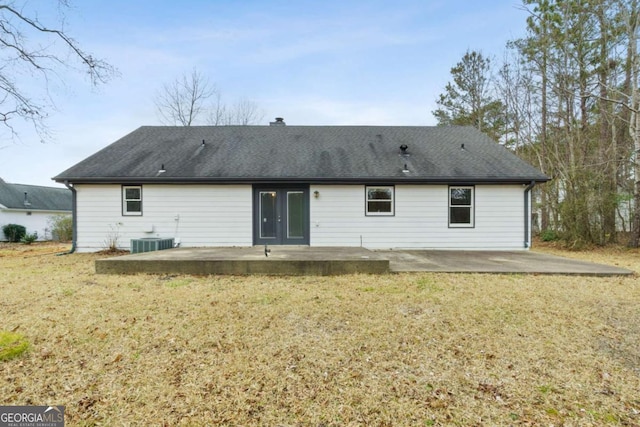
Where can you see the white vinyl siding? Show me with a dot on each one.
(200, 215)
(38, 222)
(222, 215)
(421, 219)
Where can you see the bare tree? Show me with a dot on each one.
(193, 99)
(218, 112)
(244, 112)
(631, 19)
(28, 46)
(582, 71)
(184, 100)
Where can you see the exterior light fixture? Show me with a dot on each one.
(316, 194)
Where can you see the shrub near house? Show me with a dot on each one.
(14, 232)
(61, 227)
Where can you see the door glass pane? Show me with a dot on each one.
(295, 215)
(267, 214)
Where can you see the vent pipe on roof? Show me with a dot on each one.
(26, 200)
(279, 122)
(404, 148)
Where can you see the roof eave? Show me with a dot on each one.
(303, 180)
(35, 210)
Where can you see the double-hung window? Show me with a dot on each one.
(461, 207)
(379, 200)
(132, 200)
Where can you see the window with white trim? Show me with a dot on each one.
(461, 207)
(379, 200)
(132, 200)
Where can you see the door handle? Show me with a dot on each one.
(278, 218)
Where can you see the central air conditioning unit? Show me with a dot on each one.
(150, 244)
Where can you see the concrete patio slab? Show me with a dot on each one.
(494, 262)
(305, 260)
(280, 260)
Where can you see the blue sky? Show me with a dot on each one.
(331, 62)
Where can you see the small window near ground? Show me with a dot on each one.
(379, 200)
(132, 200)
(461, 207)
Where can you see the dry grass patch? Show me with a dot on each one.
(408, 349)
(617, 255)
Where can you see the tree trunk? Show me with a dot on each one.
(607, 148)
(544, 210)
(634, 122)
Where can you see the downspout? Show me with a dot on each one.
(527, 214)
(74, 219)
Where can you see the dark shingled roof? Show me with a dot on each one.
(303, 154)
(38, 198)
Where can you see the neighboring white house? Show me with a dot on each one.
(372, 186)
(32, 207)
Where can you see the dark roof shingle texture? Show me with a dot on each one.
(303, 154)
(12, 196)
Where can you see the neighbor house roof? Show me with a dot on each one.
(303, 154)
(33, 197)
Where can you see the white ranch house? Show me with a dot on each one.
(32, 206)
(371, 186)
